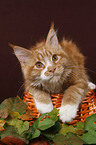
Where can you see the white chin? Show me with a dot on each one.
(46, 78)
(55, 78)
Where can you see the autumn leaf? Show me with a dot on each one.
(65, 129)
(27, 116)
(12, 105)
(12, 132)
(9, 140)
(80, 125)
(69, 139)
(2, 123)
(14, 115)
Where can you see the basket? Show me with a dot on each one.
(86, 108)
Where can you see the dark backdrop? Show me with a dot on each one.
(23, 22)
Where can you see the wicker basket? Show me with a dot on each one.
(86, 108)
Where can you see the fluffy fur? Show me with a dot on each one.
(51, 67)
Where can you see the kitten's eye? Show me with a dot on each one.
(54, 58)
(39, 65)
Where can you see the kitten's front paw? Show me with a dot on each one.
(68, 112)
(44, 108)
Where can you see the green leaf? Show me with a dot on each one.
(55, 129)
(35, 124)
(70, 139)
(59, 139)
(90, 137)
(19, 106)
(22, 126)
(90, 123)
(53, 114)
(79, 128)
(12, 122)
(80, 125)
(42, 116)
(5, 106)
(12, 131)
(12, 118)
(90, 128)
(45, 124)
(52, 131)
(65, 129)
(12, 105)
(28, 133)
(4, 113)
(36, 134)
(14, 115)
(54, 111)
(74, 140)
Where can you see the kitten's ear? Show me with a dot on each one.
(22, 54)
(52, 39)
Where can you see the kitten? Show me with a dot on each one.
(51, 67)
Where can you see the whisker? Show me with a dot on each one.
(22, 86)
(15, 66)
(90, 70)
(84, 67)
(22, 95)
(71, 66)
(28, 87)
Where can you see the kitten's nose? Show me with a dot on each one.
(52, 70)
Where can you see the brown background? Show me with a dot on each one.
(23, 22)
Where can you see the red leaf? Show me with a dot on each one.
(12, 141)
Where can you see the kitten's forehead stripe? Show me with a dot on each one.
(43, 53)
(40, 56)
(48, 53)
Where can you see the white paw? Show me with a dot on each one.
(91, 85)
(43, 108)
(68, 112)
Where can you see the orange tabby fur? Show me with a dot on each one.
(51, 67)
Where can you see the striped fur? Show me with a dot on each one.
(61, 70)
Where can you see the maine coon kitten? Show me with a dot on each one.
(51, 67)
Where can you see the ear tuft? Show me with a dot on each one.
(52, 39)
(11, 45)
(52, 25)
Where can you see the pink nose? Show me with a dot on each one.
(52, 70)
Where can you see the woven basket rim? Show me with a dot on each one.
(86, 108)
